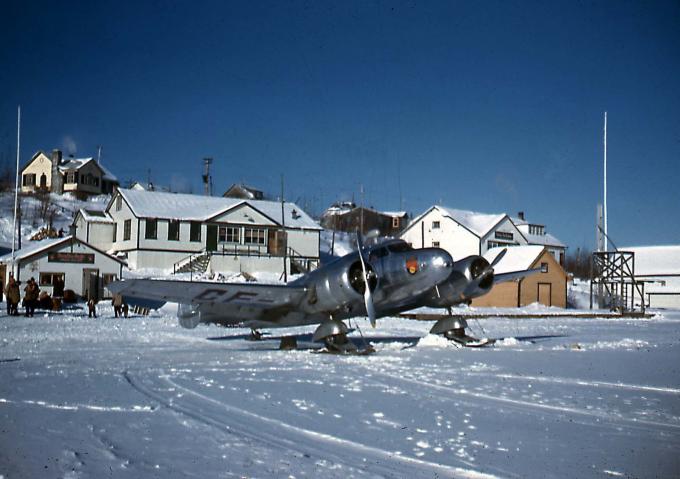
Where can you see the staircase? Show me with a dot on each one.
(197, 263)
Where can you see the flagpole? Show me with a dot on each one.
(16, 189)
(606, 239)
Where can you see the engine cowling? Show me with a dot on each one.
(339, 288)
(471, 277)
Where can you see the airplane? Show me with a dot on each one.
(399, 278)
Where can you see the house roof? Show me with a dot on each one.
(478, 223)
(517, 258)
(656, 260)
(96, 216)
(154, 204)
(37, 247)
(545, 239)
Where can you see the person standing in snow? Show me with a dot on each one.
(117, 303)
(31, 292)
(13, 297)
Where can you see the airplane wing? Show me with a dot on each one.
(514, 275)
(260, 296)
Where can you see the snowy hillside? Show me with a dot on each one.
(143, 398)
(36, 213)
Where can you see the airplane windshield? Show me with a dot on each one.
(399, 247)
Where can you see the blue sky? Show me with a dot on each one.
(490, 106)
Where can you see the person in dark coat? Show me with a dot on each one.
(13, 297)
(31, 292)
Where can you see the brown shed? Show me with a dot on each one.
(548, 287)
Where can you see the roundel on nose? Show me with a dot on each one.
(412, 265)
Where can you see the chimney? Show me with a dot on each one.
(520, 214)
(57, 182)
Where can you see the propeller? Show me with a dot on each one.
(499, 257)
(368, 298)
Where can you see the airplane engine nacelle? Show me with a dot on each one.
(189, 316)
(340, 288)
(471, 277)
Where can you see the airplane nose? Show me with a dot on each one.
(442, 262)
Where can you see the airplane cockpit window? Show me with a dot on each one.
(400, 247)
(379, 253)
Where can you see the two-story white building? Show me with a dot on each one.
(168, 231)
(462, 233)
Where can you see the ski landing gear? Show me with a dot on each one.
(453, 329)
(334, 335)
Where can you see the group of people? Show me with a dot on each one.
(31, 294)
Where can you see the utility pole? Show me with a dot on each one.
(284, 241)
(207, 179)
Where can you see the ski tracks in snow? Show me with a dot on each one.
(327, 450)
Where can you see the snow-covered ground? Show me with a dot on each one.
(141, 397)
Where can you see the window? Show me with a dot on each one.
(395, 222)
(195, 231)
(71, 177)
(435, 244)
(151, 228)
(29, 180)
(115, 231)
(544, 267)
(229, 234)
(536, 230)
(119, 203)
(254, 236)
(435, 225)
(173, 230)
(494, 244)
(504, 236)
(47, 279)
(127, 229)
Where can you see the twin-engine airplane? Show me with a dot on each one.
(399, 278)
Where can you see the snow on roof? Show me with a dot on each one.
(97, 216)
(74, 163)
(77, 163)
(154, 204)
(479, 223)
(107, 174)
(656, 260)
(394, 214)
(33, 248)
(545, 239)
(517, 258)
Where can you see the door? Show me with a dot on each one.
(211, 238)
(90, 284)
(544, 293)
(43, 182)
(276, 242)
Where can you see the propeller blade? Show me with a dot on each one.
(499, 257)
(368, 298)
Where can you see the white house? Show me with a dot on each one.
(536, 234)
(462, 233)
(168, 231)
(82, 267)
(659, 267)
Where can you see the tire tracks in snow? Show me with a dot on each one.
(527, 405)
(281, 435)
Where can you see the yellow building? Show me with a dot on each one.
(547, 287)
